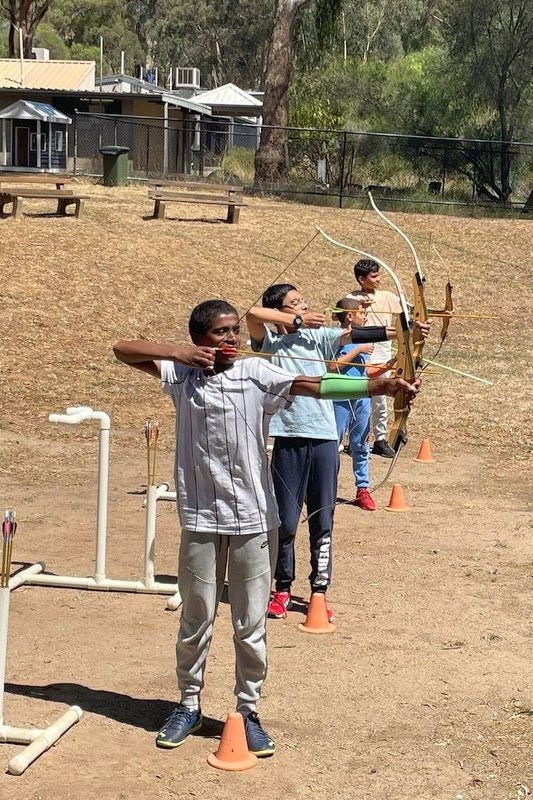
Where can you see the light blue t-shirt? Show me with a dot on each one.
(307, 418)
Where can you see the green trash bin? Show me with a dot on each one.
(115, 160)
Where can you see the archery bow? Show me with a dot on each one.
(405, 367)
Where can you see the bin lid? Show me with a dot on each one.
(114, 150)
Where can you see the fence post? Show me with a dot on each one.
(165, 139)
(75, 160)
(201, 151)
(147, 167)
(474, 174)
(341, 176)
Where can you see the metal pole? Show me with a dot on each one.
(39, 147)
(75, 164)
(165, 138)
(341, 176)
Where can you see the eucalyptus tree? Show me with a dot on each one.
(491, 43)
(272, 160)
(25, 16)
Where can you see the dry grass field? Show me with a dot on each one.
(425, 691)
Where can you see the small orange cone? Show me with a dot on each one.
(397, 500)
(424, 454)
(232, 754)
(317, 616)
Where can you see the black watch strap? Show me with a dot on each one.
(298, 321)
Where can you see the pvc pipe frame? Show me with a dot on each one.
(38, 740)
(75, 415)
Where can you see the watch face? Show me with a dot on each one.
(298, 320)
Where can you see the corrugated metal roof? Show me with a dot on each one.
(227, 95)
(111, 84)
(28, 109)
(33, 74)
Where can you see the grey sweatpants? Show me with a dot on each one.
(202, 566)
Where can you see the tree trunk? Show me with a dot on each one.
(272, 157)
(11, 9)
(30, 14)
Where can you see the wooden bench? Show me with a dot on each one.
(195, 192)
(15, 196)
(9, 178)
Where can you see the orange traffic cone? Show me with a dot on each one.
(317, 616)
(397, 500)
(232, 754)
(424, 454)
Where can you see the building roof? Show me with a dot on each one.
(55, 75)
(127, 84)
(28, 109)
(229, 100)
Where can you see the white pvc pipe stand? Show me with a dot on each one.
(75, 415)
(39, 740)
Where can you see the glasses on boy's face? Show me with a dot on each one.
(301, 303)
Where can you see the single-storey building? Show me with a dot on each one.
(156, 125)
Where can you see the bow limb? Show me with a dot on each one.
(420, 312)
(447, 312)
(405, 368)
(404, 236)
(389, 270)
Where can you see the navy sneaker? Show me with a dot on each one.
(258, 741)
(180, 723)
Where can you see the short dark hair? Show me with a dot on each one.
(204, 313)
(349, 304)
(274, 295)
(364, 267)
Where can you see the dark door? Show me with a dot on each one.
(22, 146)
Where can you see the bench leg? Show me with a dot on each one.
(62, 207)
(80, 205)
(159, 209)
(17, 207)
(233, 214)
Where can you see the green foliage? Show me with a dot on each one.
(238, 165)
(47, 37)
(326, 16)
(80, 25)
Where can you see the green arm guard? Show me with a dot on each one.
(342, 387)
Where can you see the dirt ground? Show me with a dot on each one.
(424, 692)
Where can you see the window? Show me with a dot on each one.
(58, 141)
(44, 142)
(33, 142)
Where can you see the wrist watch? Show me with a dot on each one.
(298, 321)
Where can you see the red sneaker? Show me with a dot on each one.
(279, 603)
(364, 500)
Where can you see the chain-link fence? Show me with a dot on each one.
(337, 166)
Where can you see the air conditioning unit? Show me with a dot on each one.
(186, 77)
(41, 53)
